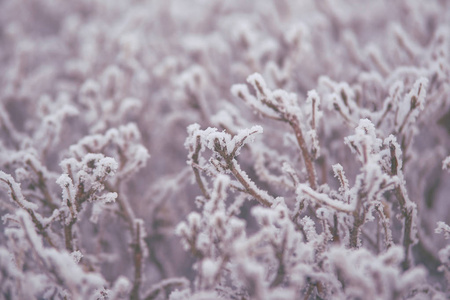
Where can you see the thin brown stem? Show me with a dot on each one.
(68, 236)
(354, 232)
(294, 122)
(344, 116)
(358, 221)
(386, 111)
(137, 260)
(404, 121)
(385, 223)
(198, 177)
(241, 177)
(406, 208)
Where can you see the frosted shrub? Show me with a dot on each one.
(224, 149)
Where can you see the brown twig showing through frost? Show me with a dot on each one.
(355, 230)
(310, 169)
(407, 207)
(416, 101)
(195, 164)
(137, 260)
(407, 213)
(249, 187)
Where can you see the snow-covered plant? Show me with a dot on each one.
(299, 149)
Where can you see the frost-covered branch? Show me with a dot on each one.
(225, 148)
(280, 105)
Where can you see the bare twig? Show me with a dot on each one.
(231, 163)
(310, 169)
(195, 162)
(137, 261)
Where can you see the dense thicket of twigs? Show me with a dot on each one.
(224, 149)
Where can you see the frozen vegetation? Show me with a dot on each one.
(224, 149)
